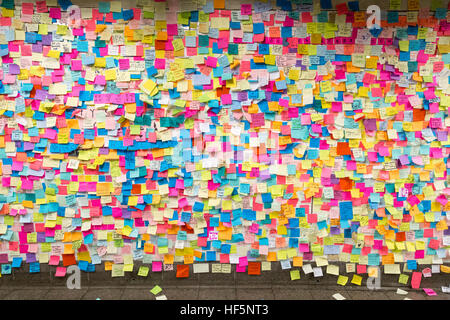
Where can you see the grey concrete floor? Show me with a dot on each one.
(280, 292)
(270, 285)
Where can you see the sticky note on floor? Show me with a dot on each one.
(339, 296)
(156, 289)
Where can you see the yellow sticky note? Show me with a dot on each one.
(149, 87)
(372, 272)
(53, 54)
(110, 74)
(342, 280)
(356, 279)
(295, 274)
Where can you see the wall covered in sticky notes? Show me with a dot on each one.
(240, 134)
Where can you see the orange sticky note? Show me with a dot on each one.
(254, 268)
(182, 271)
(219, 4)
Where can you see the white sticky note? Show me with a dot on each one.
(201, 267)
(338, 296)
(307, 268)
(400, 291)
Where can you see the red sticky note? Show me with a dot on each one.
(415, 280)
(361, 268)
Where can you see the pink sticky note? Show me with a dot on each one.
(27, 185)
(99, 79)
(305, 119)
(304, 247)
(416, 279)
(243, 261)
(430, 292)
(54, 260)
(76, 65)
(60, 272)
(226, 99)
(156, 266)
(426, 273)
(124, 64)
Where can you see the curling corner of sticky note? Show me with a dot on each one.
(149, 87)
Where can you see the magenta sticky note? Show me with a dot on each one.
(160, 63)
(241, 268)
(430, 292)
(156, 266)
(211, 62)
(246, 9)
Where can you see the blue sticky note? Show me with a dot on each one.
(6, 268)
(258, 28)
(346, 210)
(83, 265)
(210, 256)
(35, 267)
(326, 4)
(64, 4)
(353, 5)
(412, 264)
(127, 14)
(198, 207)
(208, 7)
(244, 188)
(373, 259)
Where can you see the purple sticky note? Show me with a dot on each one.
(40, 94)
(47, 39)
(14, 69)
(370, 124)
(36, 47)
(31, 257)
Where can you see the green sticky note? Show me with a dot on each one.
(436, 4)
(295, 274)
(395, 4)
(135, 129)
(148, 15)
(156, 289)
(403, 279)
(143, 271)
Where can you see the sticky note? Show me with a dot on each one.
(156, 289)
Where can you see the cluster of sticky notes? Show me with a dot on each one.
(179, 133)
